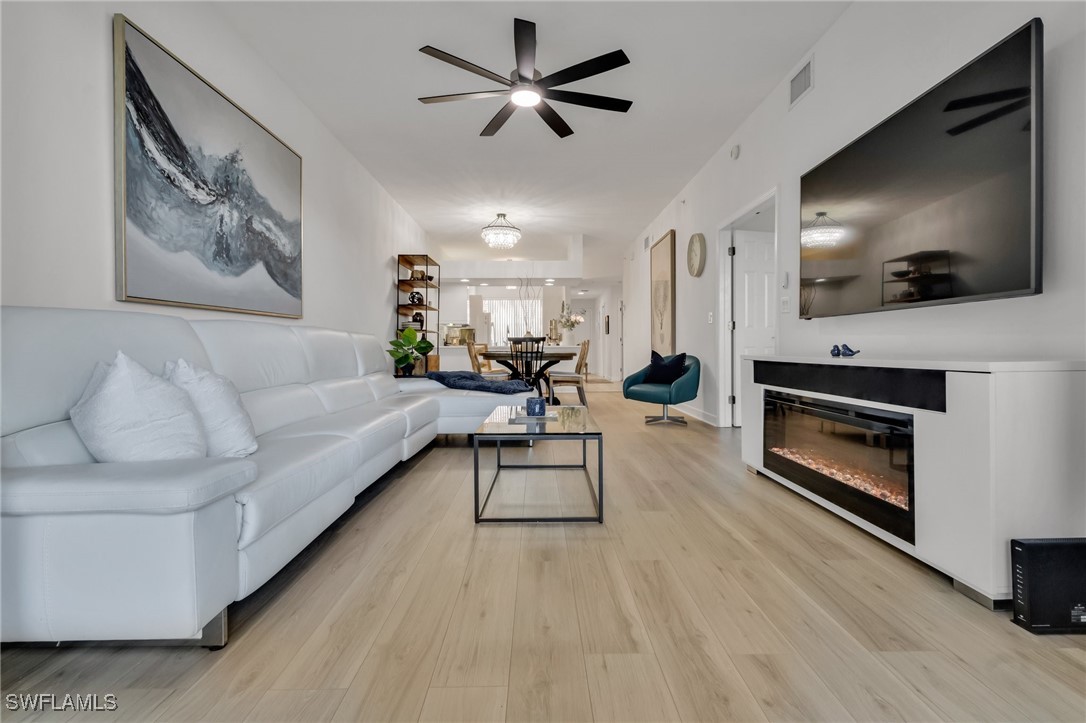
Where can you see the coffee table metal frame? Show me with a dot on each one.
(530, 436)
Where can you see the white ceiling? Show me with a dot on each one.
(696, 71)
(762, 218)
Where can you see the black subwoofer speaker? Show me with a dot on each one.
(1049, 580)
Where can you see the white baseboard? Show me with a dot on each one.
(698, 414)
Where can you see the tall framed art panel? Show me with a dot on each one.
(208, 200)
(662, 293)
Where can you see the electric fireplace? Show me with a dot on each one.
(858, 458)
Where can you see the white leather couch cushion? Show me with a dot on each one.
(370, 426)
(330, 354)
(166, 487)
(48, 356)
(383, 384)
(460, 402)
(56, 443)
(464, 403)
(419, 410)
(127, 414)
(277, 407)
(372, 357)
(293, 472)
(414, 385)
(339, 394)
(253, 354)
(227, 426)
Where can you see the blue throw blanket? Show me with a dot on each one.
(477, 383)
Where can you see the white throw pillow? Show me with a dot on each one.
(127, 414)
(227, 426)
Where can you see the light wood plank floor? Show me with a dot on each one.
(708, 594)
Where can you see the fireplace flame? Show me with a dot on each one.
(874, 485)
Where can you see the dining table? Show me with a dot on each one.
(504, 356)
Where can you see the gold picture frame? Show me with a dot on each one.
(208, 201)
(662, 294)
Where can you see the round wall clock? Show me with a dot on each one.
(695, 255)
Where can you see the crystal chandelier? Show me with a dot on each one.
(823, 233)
(500, 234)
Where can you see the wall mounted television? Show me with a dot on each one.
(938, 204)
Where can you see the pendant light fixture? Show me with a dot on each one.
(500, 234)
(822, 233)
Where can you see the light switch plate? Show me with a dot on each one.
(710, 317)
(786, 304)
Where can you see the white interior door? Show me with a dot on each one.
(754, 283)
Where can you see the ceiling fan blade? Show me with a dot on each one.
(464, 65)
(595, 66)
(998, 96)
(464, 96)
(524, 43)
(499, 119)
(588, 100)
(988, 117)
(551, 117)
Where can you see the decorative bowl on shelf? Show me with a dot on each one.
(901, 274)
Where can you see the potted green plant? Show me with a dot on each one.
(407, 349)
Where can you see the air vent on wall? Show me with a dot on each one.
(646, 243)
(800, 84)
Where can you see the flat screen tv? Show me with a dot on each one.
(938, 204)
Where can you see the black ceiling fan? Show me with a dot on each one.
(526, 88)
(1013, 98)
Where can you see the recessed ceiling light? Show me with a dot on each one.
(484, 284)
(580, 293)
(549, 281)
(510, 287)
(464, 281)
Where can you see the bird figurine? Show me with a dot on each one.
(845, 351)
(835, 351)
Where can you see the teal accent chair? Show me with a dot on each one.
(683, 389)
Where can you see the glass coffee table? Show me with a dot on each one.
(573, 424)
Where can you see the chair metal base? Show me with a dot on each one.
(665, 418)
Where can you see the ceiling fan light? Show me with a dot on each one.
(500, 234)
(526, 97)
(822, 233)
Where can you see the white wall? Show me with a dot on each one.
(57, 226)
(553, 298)
(875, 59)
(610, 346)
(454, 303)
(590, 329)
(570, 267)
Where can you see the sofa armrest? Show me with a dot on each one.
(166, 487)
(636, 378)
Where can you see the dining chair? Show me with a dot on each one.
(526, 357)
(577, 378)
(482, 366)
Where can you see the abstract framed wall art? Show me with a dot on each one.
(662, 290)
(209, 201)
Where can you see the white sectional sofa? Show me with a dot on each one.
(157, 550)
